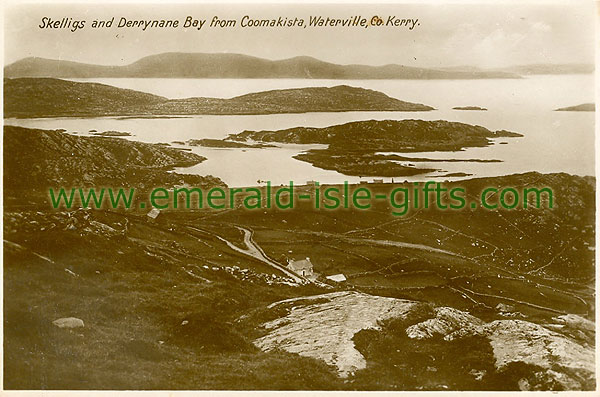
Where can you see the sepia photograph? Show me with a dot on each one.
(323, 197)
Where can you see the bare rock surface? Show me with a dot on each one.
(576, 322)
(522, 341)
(446, 321)
(323, 326)
(566, 361)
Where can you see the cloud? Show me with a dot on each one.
(484, 45)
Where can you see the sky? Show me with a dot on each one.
(481, 35)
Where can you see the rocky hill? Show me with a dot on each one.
(353, 146)
(384, 135)
(44, 158)
(47, 97)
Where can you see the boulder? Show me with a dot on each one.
(446, 322)
(68, 322)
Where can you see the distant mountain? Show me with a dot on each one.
(202, 65)
(48, 97)
(584, 107)
(543, 68)
(540, 68)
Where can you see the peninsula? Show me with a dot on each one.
(48, 97)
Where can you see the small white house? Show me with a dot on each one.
(302, 267)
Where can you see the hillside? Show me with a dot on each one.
(204, 65)
(44, 158)
(48, 97)
(482, 300)
(436, 300)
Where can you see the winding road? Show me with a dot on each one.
(254, 250)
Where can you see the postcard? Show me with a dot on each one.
(299, 197)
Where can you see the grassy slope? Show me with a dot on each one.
(133, 295)
(135, 292)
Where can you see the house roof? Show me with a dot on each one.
(301, 264)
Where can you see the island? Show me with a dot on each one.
(469, 108)
(455, 175)
(226, 144)
(111, 133)
(584, 107)
(355, 148)
(49, 97)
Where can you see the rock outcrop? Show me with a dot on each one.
(323, 327)
(48, 158)
(565, 361)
